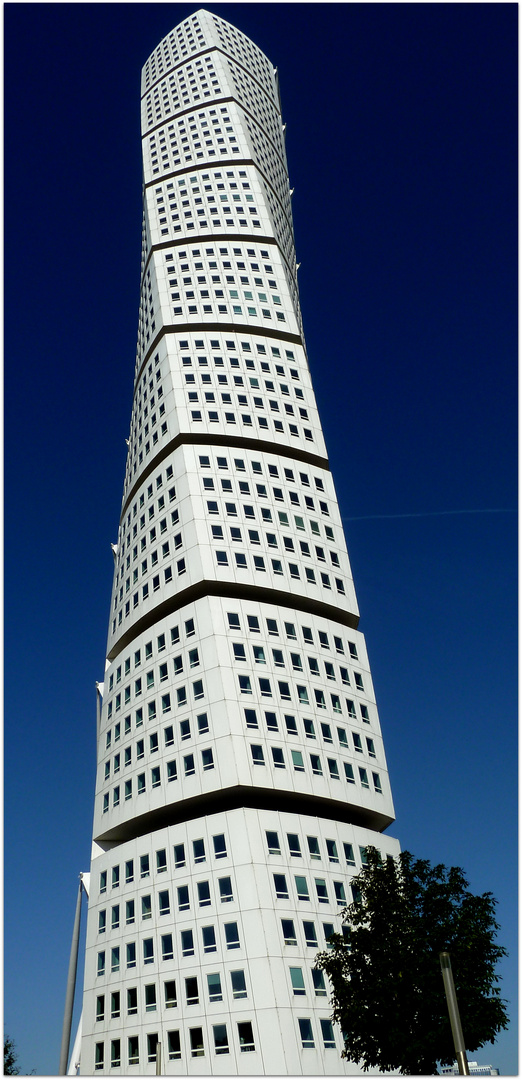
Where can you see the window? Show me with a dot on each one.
(297, 759)
(115, 958)
(148, 951)
(220, 847)
(101, 963)
(348, 769)
(315, 762)
(225, 890)
(150, 998)
(232, 935)
(340, 893)
(203, 893)
(322, 894)
(199, 850)
(246, 1037)
(293, 844)
(146, 907)
(302, 888)
(132, 1001)
(214, 987)
(281, 887)
(377, 782)
(328, 1035)
(296, 978)
(209, 939)
(331, 848)
(196, 1042)
(99, 1056)
(133, 1044)
(287, 926)
(277, 755)
(319, 983)
(131, 954)
(220, 1037)
(174, 1045)
(307, 1035)
(310, 934)
(313, 847)
(164, 902)
(257, 755)
(179, 855)
(237, 979)
(144, 866)
(183, 898)
(187, 943)
(272, 840)
(167, 952)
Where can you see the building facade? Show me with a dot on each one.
(241, 770)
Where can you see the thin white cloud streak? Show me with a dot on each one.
(428, 513)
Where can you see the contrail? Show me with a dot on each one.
(428, 513)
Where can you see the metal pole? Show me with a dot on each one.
(453, 1009)
(71, 983)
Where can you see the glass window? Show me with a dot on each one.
(232, 935)
(191, 991)
(237, 979)
(225, 889)
(214, 987)
(307, 1035)
(209, 939)
(288, 929)
(310, 934)
(328, 1035)
(302, 888)
(196, 1042)
(220, 1037)
(297, 980)
(281, 887)
(171, 999)
(174, 1045)
(246, 1037)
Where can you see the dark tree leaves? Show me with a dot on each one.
(388, 993)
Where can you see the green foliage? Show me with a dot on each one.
(10, 1057)
(388, 993)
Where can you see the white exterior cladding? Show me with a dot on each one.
(241, 770)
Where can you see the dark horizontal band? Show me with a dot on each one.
(257, 594)
(218, 802)
(234, 442)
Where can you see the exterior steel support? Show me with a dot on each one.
(71, 983)
(453, 1009)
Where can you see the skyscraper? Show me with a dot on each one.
(241, 771)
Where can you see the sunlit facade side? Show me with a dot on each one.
(241, 770)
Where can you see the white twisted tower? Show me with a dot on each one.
(241, 769)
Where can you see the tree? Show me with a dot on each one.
(10, 1057)
(388, 994)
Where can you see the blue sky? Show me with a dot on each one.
(401, 142)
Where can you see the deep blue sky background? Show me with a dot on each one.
(401, 143)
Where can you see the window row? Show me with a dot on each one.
(302, 891)
(180, 859)
(127, 759)
(180, 902)
(127, 955)
(245, 1039)
(246, 349)
(278, 762)
(272, 724)
(240, 561)
(313, 848)
(276, 657)
(110, 1006)
(272, 630)
(167, 700)
(146, 653)
(171, 767)
(265, 690)
(271, 541)
(191, 658)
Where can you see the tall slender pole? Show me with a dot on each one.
(71, 983)
(453, 1009)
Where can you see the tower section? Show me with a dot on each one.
(241, 771)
